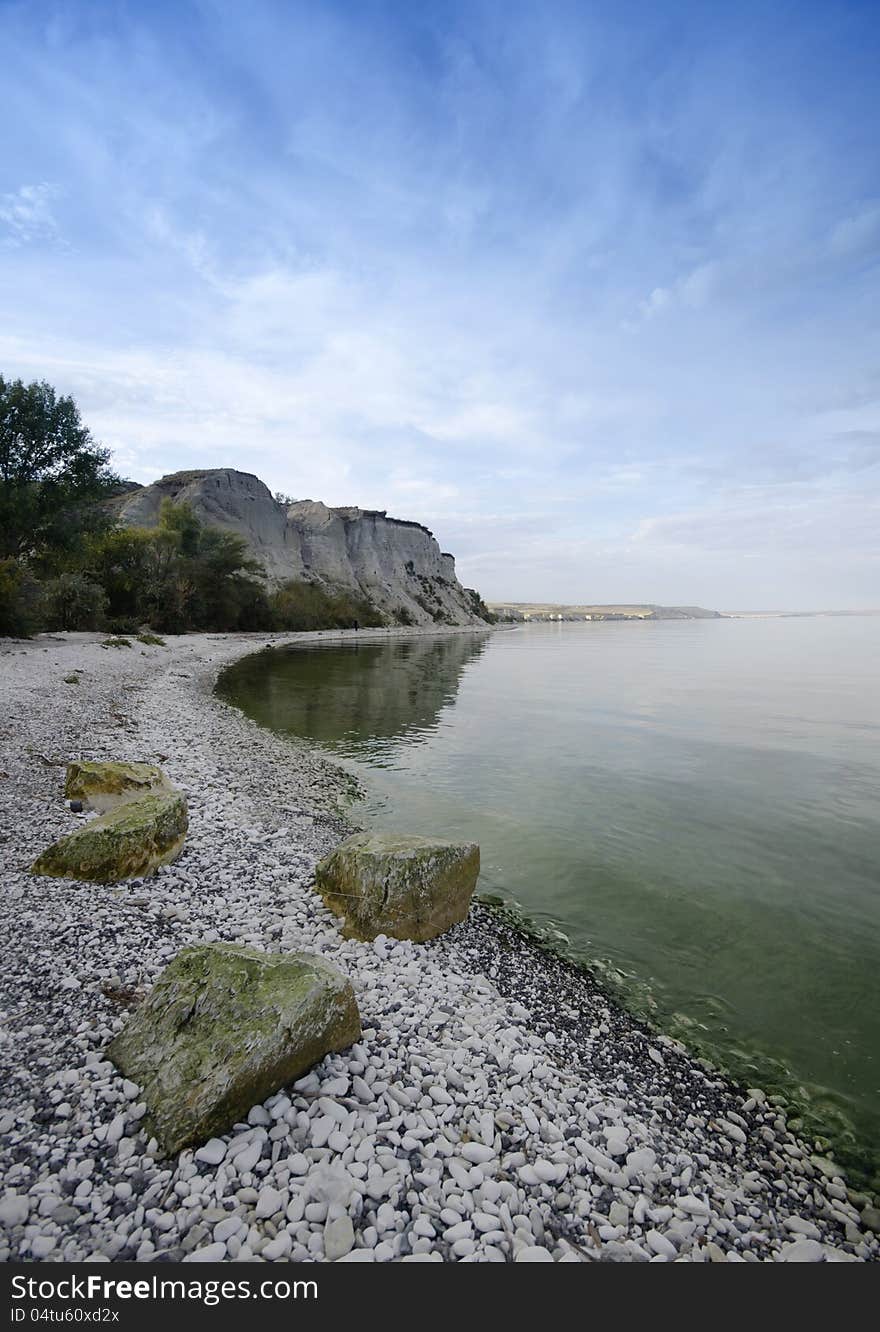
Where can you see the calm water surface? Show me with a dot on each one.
(695, 804)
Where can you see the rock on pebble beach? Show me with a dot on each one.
(133, 839)
(402, 887)
(224, 1027)
(103, 785)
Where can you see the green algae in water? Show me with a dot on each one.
(692, 803)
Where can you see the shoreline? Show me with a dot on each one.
(507, 1108)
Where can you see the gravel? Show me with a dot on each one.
(498, 1108)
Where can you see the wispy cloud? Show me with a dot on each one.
(27, 214)
(590, 292)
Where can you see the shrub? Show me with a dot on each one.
(301, 606)
(74, 601)
(479, 607)
(21, 601)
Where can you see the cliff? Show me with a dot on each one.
(395, 564)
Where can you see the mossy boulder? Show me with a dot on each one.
(223, 1028)
(406, 887)
(104, 785)
(128, 842)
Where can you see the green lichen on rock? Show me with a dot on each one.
(104, 785)
(126, 843)
(406, 887)
(223, 1028)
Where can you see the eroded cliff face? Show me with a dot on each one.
(397, 565)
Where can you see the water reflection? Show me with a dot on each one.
(352, 694)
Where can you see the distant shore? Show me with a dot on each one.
(499, 1107)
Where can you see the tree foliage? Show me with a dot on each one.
(52, 474)
(21, 601)
(181, 575)
(74, 601)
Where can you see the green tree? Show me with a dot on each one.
(119, 560)
(180, 575)
(21, 601)
(74, 601)
(52, 475)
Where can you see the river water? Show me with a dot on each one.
(693, 805)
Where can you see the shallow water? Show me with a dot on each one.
(695, 803)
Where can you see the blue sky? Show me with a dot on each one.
(592, 289)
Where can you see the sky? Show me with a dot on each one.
(590, 289)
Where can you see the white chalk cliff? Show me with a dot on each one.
(397, 565)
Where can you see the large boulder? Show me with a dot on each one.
(223, 1028)
(104, 785)
(406, 887)
(128, 842)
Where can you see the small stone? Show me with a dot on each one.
(533, 1253)
(641, 1160)
(802, 1251)
(14, 1210)
(225, 1229)
(476, 1153)
(660, 1245)
(213, 1152)
(210, 1253)
(338, 1238)
(269, 1202)
(277, 1248)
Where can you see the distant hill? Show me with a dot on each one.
(514, 611)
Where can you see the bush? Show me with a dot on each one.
(302, 606)
(74, 601)
(479, 607)
(21, 601)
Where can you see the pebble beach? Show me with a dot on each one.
(499, 1106)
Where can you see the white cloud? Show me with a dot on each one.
(27, 214)
(693, 291)
(657, 301)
